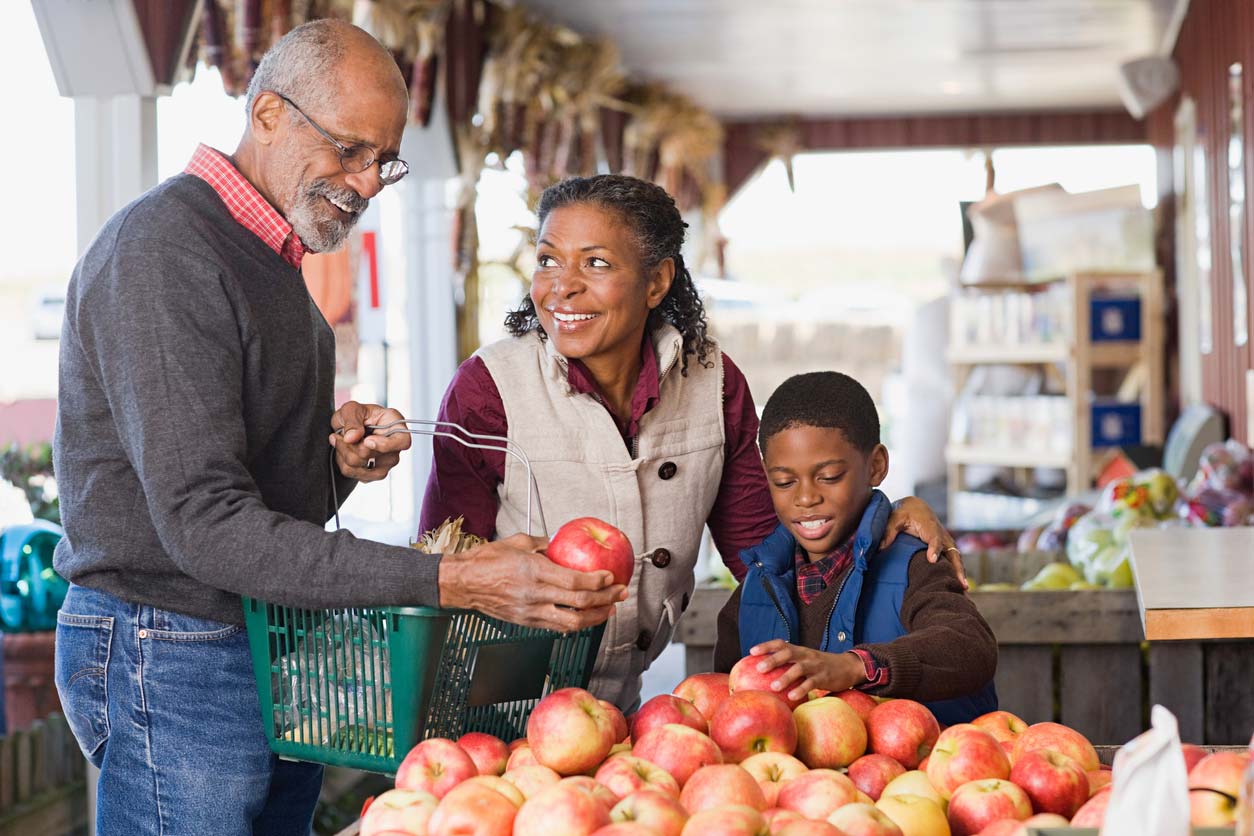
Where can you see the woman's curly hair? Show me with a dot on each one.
(653, 217)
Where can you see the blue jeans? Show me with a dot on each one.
(166, 706)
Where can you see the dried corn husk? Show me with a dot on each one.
(782, 141)
(448, 538)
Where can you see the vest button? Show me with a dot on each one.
(840, 636)
(644, 640)
(661, 558)
(667, 470)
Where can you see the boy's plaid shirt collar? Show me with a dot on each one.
(813, 578)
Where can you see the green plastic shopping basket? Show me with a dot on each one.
(360, 687)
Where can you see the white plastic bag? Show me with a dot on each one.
(1150, 792)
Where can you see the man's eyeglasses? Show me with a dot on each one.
(356, 158)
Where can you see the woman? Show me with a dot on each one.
(627, 410)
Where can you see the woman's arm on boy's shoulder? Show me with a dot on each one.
(727, 644)
(949, 650)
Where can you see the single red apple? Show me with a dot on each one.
(587, 544)
(705, 690)
(719, 785)
(667, 708)
(474, 809)
(860, 701)
(680, 750)
(745, 676)
(977, 804)
(871, 773)
(904, 730)
(660, 812)
(1054, 782)
(617, 720)
(577, 810)
(964, 752)
(750, 722)
(1093, 813)
(489, 753)
(569, 732)
(1061, 739)
(435, 766)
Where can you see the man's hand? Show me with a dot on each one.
(914, 516)
(366, 458)
(808, 669)
(511, 580)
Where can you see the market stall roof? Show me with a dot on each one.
(861, 57)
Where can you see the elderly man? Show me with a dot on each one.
(195, 412)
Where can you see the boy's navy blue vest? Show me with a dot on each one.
(868, 605)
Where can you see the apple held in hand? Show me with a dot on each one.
(587, 544)
(745, 676)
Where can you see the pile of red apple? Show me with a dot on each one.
(726, 756)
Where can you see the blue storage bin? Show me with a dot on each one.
(1116, 424)
(1114, 318)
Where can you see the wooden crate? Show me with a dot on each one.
(43, 787)
(1077, 658)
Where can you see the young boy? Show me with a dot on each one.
(821, 600)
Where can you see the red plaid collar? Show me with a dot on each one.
(245, 203)
(813, 578)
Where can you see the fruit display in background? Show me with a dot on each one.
(435, 766)
(719, 785)
(399, 812)
(628, 774)
(745, 676)
(751, 722)
(706, 691)
(772, 770)
(915, 815)
(1061, 739)
(818, 793)
(587, 544)
(489, 753)
(561, 810)
(1054, 782)
(860, 819)
(830, 734)
(473, 808)
(679, 750)
(977, 804)
(659, 812)
(569, 732)
(964, 753)
(902, 729)
(872, 773)
(667, 708)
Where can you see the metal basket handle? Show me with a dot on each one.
(434, 429)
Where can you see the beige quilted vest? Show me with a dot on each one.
(660, 497)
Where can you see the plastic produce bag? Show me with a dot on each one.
(1150, 793)
(1098, 546)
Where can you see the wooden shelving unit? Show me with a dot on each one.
(1075, 356)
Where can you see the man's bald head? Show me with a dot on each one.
(319, 61)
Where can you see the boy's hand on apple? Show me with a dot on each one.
(512, 580)
(805, 669)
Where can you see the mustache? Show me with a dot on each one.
(346, 197)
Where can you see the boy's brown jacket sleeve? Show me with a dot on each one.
(727, 645)
(949, 650)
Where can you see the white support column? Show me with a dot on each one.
(115, 155)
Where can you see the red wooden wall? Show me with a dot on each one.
(1216, 34)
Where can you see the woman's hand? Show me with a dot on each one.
(807, 669)
(511, 580)
(366, 458)
(914, 516)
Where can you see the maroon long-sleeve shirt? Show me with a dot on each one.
(464, 481)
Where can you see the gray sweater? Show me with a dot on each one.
(195, 398)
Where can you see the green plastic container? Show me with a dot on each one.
(359, 688)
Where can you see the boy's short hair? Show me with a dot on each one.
(828, 400)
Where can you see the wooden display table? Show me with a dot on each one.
(1195, 583)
